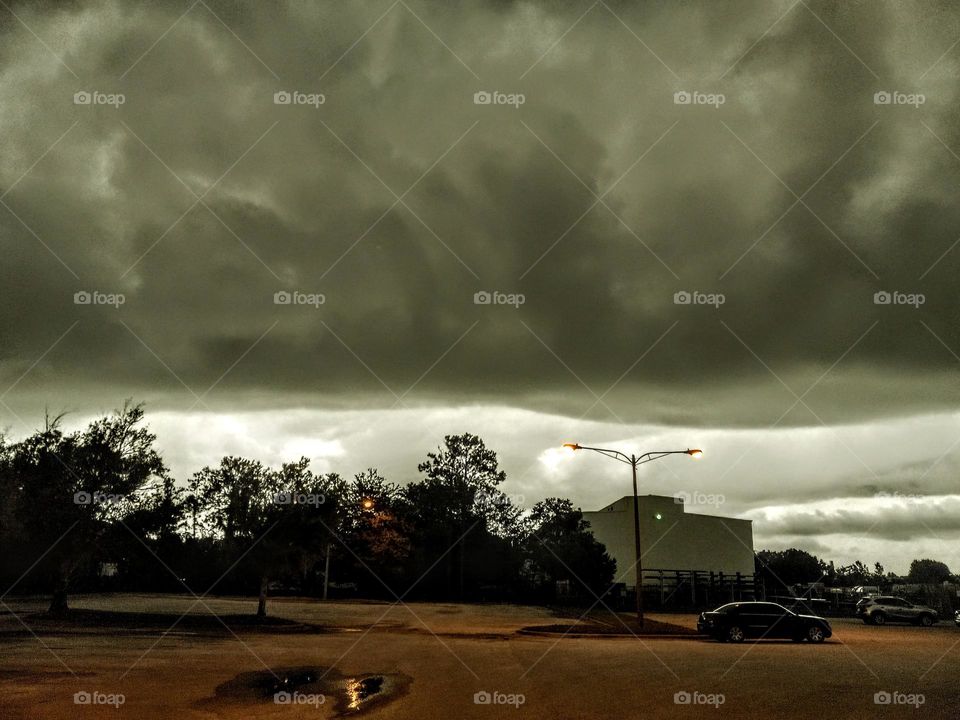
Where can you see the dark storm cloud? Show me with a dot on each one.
(304, 198)
(901, 521)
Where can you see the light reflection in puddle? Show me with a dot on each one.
(351, 695)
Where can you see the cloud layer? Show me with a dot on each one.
(399, 198)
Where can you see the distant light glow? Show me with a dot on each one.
(552, 458)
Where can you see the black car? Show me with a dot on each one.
(738, 621)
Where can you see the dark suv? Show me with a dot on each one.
(884, 608)
(737, 621)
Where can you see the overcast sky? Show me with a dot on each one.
(778, 164)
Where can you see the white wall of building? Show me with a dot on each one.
(672, 539)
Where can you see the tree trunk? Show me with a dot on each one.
(463, 562)
(326, 573)
(58, 603)
(262, 603)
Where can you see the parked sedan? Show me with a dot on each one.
(738, 621)
(884, 608)
(956, 618)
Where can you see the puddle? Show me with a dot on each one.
(349, 695)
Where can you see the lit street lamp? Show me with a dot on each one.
(633, 461)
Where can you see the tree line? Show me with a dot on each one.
(784, 569)
(98, 509)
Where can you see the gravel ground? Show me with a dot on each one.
(474, 651)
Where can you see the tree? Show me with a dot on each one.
(786, 568)
(69, 489)
(372, 524)
(856, 573)
(150, 533)
(560, 546)
(928, 572)
(234, 504)
(274, 522)
(304, 525)
(458, 505)
(12, 531)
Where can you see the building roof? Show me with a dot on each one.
(663, 502)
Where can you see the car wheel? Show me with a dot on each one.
(926, 620)
(735, 634)
(815, 634)
(879, 618)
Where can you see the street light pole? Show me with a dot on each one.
(636, 539)
(633, 461)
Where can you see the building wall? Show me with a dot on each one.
(678, 540)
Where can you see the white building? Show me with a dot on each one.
(672, 540)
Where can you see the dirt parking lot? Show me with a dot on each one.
(438, 660)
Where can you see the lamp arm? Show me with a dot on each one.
(615, 454)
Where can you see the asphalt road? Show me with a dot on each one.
(442, 655)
